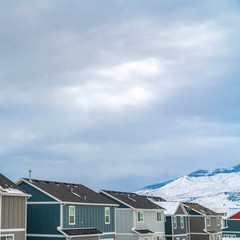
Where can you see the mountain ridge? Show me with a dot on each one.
(217, 189)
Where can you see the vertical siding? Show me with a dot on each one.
(43, 218)
(150, 221)
(89, 216)
(180, 230)
(213, 225)
(13, 212)
(197, 224)
(124, 221)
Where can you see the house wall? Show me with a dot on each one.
(43, 218)
(197, 224)
(37, 196)
(150, 221)
(124, 220)
(168, 225)
(199, 237)
(213, 226)
(89, 216)
(13, 212)
(180, 230)
(127, 237)
(17, 235)
(233, 228)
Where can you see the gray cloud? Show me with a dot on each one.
(119, 94)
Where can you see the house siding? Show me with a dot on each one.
(45, 238)
(17, 235)
(197, 224)
(89, 216)
(213, 225)
(13, 212)
(124, 221)
(43, 218)
(180, 230)
(37, 196)
(150, 221)
(168, 225)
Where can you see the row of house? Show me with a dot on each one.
(45, 210)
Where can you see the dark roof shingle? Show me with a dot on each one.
(9, 186)
(199, 208)
(134, 200)
(70, 192)
(81, 231)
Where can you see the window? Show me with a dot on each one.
(208, 221)
(71, 215)
(146, 238)
(182, 221)
(107, 215)
(218, 222)
(175, 222)
(159, 238)
(7, 237)
(177, 238)
(159, 216)
(140, 216)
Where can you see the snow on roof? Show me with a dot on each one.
(171, 207)
(231, 212)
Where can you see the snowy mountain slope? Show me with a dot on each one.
(218, 189)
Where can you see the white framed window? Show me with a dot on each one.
(208, 221)
(159, 216)
(7, 237)
(146, 238)
(71, 215)
(182, 221)
(107, 215)
(218, 221)
(140, 217)
(159, 238)
(174, 222)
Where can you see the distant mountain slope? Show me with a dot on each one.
(218, 189)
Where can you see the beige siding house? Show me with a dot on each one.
(12, 210)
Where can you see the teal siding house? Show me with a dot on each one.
(59, 211)
(231, 226)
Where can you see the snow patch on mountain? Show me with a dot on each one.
(217, 190)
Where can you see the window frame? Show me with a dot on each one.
(74, 215)
(208, 221)
(175, 224)
(140, 220)
(160, 216)
(182, 221)
(7, 235)
(105, 210)
(218, 221)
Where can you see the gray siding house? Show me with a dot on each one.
(137, 218)
(59, 211)
(176, 219)
(12, 210)
(204, 224)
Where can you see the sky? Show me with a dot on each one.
(118, 94)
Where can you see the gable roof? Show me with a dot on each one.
(231, 212)
(69, 192)
(171, 207)
(10, 188)
(200, 209)
(132, 199)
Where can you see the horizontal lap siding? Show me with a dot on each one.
(89, 216)
(180, 230)
(45, 238)
(13, 212)
(43, 218)
(233, 225)
(197, 224)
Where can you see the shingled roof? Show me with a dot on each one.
(9, 187)
(199, 208)
(132, 199)
(70, 192)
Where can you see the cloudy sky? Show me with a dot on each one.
(118, 94)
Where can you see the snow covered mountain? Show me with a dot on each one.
(217, 190)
